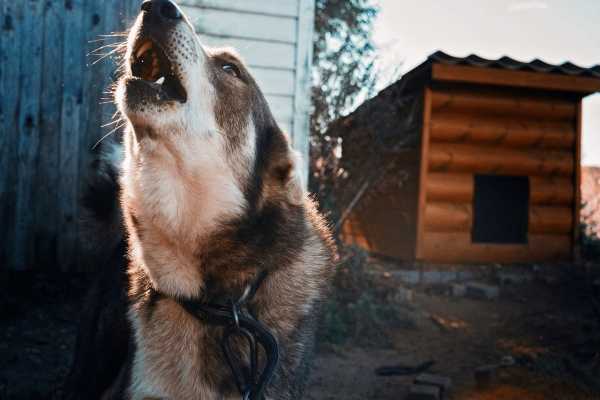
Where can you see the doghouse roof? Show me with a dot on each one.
(508, 63)
(394, 111)
(504, 71)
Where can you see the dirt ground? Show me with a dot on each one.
(549, 330)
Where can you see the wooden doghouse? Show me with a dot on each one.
(489, 152)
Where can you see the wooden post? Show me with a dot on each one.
(577, 186)
(423, 173)
(304, 46)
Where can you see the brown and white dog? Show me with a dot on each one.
(211, 196)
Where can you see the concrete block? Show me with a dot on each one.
(444, 383)
(465, 275)
(515, 277)
(482, 291)
(437, 277)
(459, 290)
(404, 295)
(423, 392)
(410, 277)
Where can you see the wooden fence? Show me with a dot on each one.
(51, 113)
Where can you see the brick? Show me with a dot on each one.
(444, 383)
(423, 392)
(482, 291)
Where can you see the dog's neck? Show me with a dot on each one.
(173, 202)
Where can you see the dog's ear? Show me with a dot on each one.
(286, 178)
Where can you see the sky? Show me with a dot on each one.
(406, 32)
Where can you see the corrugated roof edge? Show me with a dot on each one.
(508, 63)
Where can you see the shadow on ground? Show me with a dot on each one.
(548, 328)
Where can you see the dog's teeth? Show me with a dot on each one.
(143, 49)
(160, 80)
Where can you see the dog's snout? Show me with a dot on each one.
(162, 8)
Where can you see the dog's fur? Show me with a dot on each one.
(211, 196)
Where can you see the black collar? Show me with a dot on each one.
(238, 321)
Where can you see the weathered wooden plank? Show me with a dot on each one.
(551, 220)
(450, 187)
(491, 159)
(274, 81)
(250, 26)
(527, 79)
(9, 100)
(448, 217)
(551, 191)
(133, 9)
(257, 53)
(505, 131)
(74, 60)
(282, 108)
(286, 8)
(494, 103)
(98, 19)
(47, 168)
(286, 127)
(29, 130)
(302, 101)
(458, 217)
(453, 248)
(459, 187)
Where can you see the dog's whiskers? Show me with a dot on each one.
(114, 45)
(111, 123)
(107, 55)
(109, 133)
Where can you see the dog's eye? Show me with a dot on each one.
(231, 69)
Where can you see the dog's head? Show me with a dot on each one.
(202, 139)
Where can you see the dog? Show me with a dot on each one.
(213, 290)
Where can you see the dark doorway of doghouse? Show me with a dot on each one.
(500, 209)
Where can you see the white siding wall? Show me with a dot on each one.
(275, 39)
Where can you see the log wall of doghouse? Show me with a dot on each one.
(477, 130)
(386, 223)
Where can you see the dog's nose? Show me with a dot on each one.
(162, 8)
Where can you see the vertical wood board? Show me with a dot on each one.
(423, 173)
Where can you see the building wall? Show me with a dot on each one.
(52, 102)
(474, 131)
(275, 39)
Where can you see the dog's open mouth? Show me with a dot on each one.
(150, 63)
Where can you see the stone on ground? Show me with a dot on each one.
(444, 383)
(482, 291)
(423, 392)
